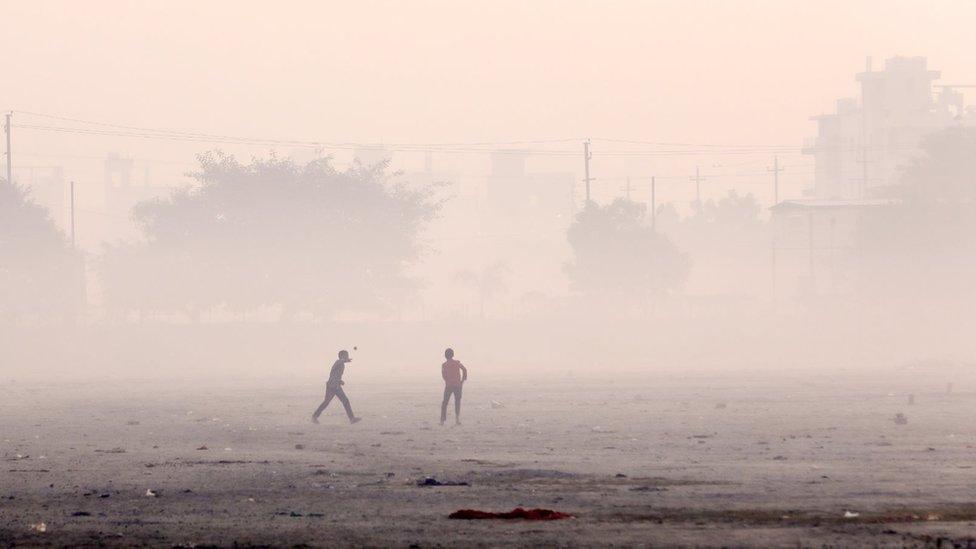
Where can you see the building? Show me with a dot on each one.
(817, 245)
(861, 145)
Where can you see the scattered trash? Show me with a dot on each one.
(150, 493)
(390, 475)
(900, 419)
(620, 475)
(204, 447)
(851, 514)
(299, 446)
(517, 513)
(648, 489)
(116, 450)
(81, 514)
(431, 481)
(495, 405)
(40, 527)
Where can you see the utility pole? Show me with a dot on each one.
(653, 205)
(586, 164)
(775, 169)
(9, 166)
(698, 180)
(72, 214)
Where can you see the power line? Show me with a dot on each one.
(122, 130)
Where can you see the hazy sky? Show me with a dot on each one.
(746, 71)
(420, 71)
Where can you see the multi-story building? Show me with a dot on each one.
(861, 146)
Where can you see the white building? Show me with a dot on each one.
(861, 146)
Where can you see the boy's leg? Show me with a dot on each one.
(329, 393)
(447, 397)
(345, 403)
(457, 405)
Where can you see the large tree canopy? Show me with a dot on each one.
(618, 256)
(41, 277)
(273, 233)
(925, 246)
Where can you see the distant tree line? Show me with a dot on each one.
(41, 276)
(299, 238)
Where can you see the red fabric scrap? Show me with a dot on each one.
(517, 513)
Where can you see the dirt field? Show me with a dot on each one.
(701, 459)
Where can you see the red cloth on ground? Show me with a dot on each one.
(517, 513)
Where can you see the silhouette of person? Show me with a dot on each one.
(452, 371)
(333, 388)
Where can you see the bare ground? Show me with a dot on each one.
(664, 459)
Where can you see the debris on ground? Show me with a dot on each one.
(299, 446)
(495, 405)
(204, 447)
(115, 450)
(851, 514)
(518, 513)
(39, 527)
(901, 419)
(150, 493)
(431, 481)
(81, 514)
(648, 489)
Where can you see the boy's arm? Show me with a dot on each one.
(464, 376)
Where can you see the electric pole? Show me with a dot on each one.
(653, 205)
(9, 166)
(72, 214)
(775, 169)
(586, 165)
(698, 180)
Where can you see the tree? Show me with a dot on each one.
(41, 276)
(923, 245)
(725, 237)
(305, 238)
(618, 257)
